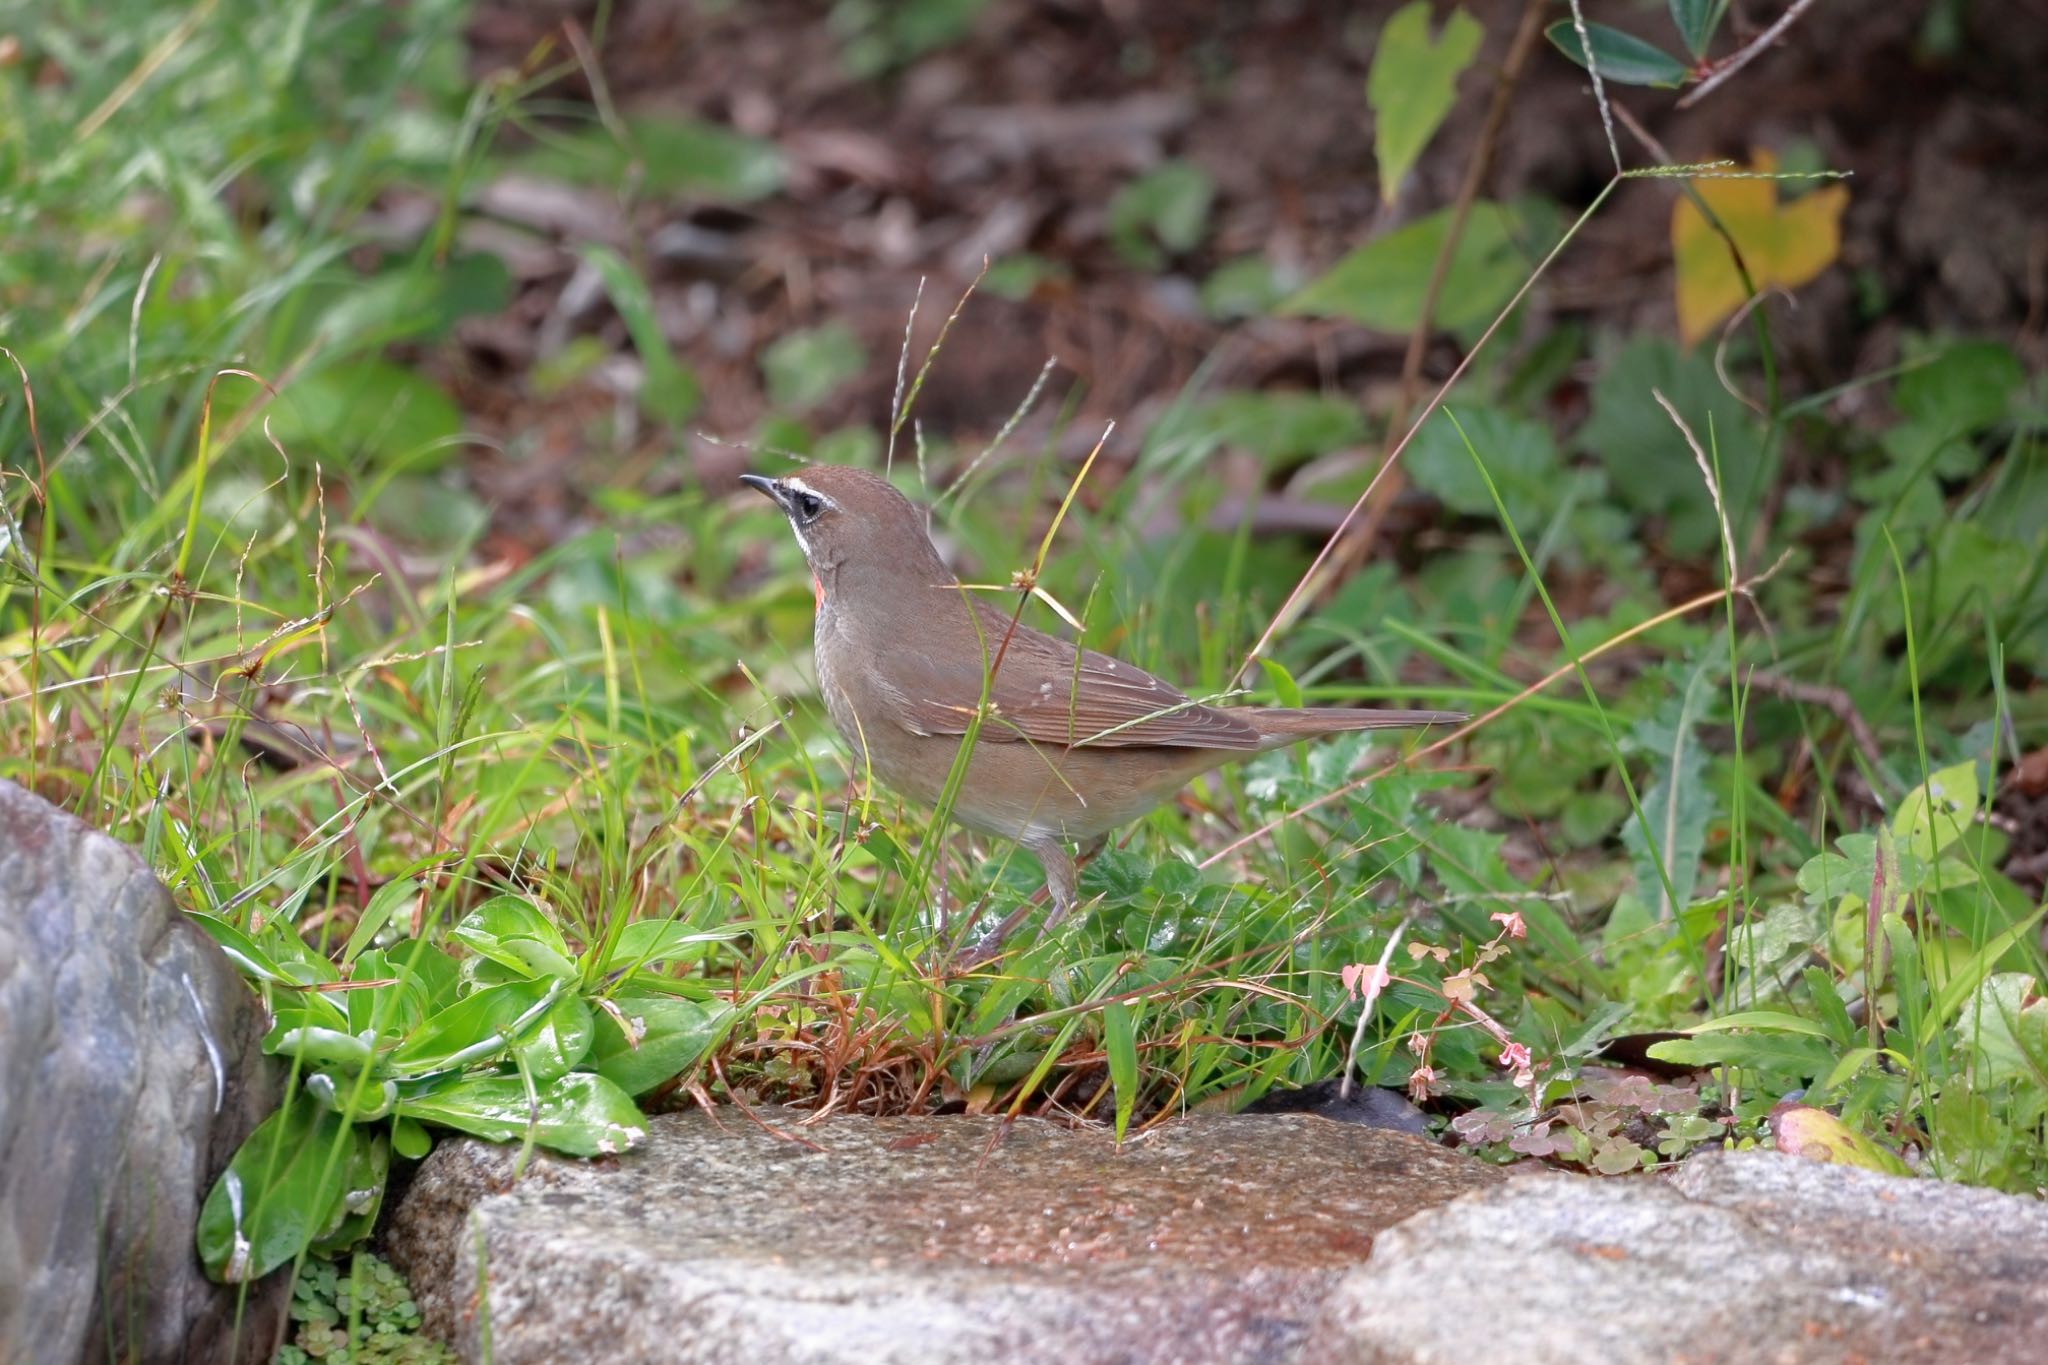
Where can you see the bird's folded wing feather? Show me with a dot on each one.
(1047, 692)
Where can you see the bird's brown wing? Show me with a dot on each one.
(1045, 691)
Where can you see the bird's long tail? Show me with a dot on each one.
(1282, 725)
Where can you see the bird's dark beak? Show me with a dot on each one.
(761, 483)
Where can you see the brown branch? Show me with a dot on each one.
(1834, 699)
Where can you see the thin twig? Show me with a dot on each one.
(1476, 171)
(1835, 700)
(1311, 580)
(1724, 69)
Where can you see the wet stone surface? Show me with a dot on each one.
(950, 1239)
(130, 1070)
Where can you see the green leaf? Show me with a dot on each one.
(561, 1041)
(512, 931)
(669, 1036)
(805, 367)
(1649, 466)
(475, 1028)
(320, 1046)
(363, 1182)
(283, 1190)
(667, 389)
(1620, 57)
(1520, 456)
(378, 913)
(1381, 284)
(1937, 812)
(1281, 427)
(1696, 21)
(1167, 207)
(580, 1113)
(1776, 1021)
(1284, 686)
(664, 155)
(1774, 1053)
(1247, 287)
(2005, 1024)
(366, 408)
(1120, 1044)
(645, 942)
(1412, 85)
(1965, 388)
(420, 301)
(410, 1139)
(1678, 803)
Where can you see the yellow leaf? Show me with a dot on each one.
(1782, 244)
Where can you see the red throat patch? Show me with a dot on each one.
(817, 593)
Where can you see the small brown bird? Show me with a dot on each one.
(1071, 744)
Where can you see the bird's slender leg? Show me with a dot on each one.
(1061, 879)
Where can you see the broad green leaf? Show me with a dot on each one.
(514, 932)
(1776, 1054)
(805, 367)
(364, 1180)
(1696, 21)
(281, 1192)
(1248, 287)
(669, 1036)
(1120, 1045)
(1937, 812)
(410, 1139)
(1412, 85)
(561, 1041)
(1966, 387)
(1619, 57)
(664, 155)
(1520, 456)
(475, 1028)
(1776, 1021)
(423, 301)
(1280, 427)
(366, 408)
(1381, 284)
(341, 1091)
(2005, 1024)
(667, 389)
(1164, 211)
(1967, 978)
(1786, 244)
(580, 1113)
(321, 1046)
(645, 942)
(1649, 466)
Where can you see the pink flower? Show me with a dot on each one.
(1511, 920)
(1419, 1082)
(1364, 980)
(1515, 1057)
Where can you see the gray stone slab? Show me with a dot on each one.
(130, 1070)
(1739, 1257)
(911, 1240)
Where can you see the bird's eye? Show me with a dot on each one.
(808, 505)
